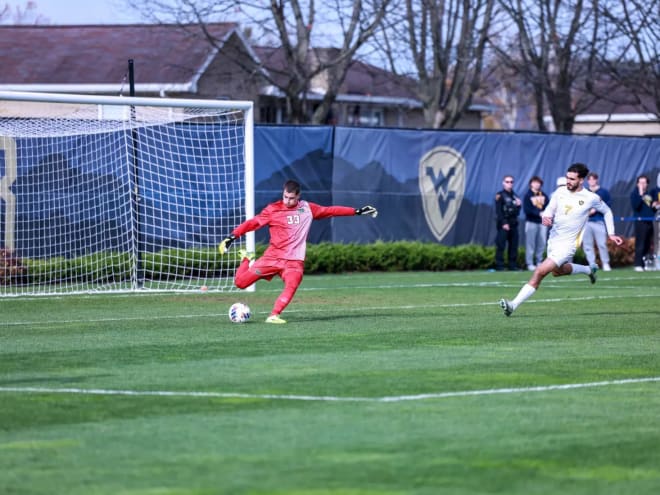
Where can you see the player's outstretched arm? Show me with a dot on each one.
(226, 242)
(367, 210)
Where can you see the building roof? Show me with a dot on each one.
(620, 104)
(96, 56)
(167, 58)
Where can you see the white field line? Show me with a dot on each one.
(550, 284)
(325, 398)
(358, 309)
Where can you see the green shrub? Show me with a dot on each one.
(172, 264)
(396, 256)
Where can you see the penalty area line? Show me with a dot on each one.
(327, 398)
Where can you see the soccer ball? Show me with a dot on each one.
(239, 312)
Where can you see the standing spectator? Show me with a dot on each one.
(594, 230)
(507, 209)
(641, 202)
(655, 194)
(536, 234)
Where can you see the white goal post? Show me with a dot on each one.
(116, 194)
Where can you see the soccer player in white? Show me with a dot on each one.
(566, 213)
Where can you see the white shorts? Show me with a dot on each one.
(561, 252)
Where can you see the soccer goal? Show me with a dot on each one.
(104, 193)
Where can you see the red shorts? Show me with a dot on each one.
(267, 267)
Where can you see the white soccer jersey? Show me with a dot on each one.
(570, 211)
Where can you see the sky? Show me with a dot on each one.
(52, 12)
(80, 11)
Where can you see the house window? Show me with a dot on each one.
(366, 116)
(271, 110)
(268, 115)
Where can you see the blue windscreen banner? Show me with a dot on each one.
(76, 195)
(303, 154)
(65, 202)
(437, 186)
(428, 185)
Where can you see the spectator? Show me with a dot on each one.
(642, 205)
(594, 230)
(655, 194)
(536, 234)
(507, 209)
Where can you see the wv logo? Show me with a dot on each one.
(442, 187)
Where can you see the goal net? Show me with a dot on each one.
(102, 194)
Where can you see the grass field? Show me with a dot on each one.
(379, 384)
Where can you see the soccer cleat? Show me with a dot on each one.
(244, 253)
(592, 274)
(607, 268)
(506, 307)
(275, 319)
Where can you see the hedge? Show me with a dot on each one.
(174, 264)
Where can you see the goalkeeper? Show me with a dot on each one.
(289, 221)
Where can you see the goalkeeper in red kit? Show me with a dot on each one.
(289, 221)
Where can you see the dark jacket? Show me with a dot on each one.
(506, 210)
(533, 211)
(641, 205)
(605, 196)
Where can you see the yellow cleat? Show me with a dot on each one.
(275, 319)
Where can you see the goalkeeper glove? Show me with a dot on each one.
(226, 242)
(367, 210)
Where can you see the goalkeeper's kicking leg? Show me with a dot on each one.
(291, 272)
(245, 277)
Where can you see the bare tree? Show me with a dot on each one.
(441, 45)
(292, 29)
(27, 14)
(634, 60)
(511, 97)
(554, 51)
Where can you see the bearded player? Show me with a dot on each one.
(289, 221)
(566, 213)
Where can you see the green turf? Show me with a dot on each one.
(351, 341)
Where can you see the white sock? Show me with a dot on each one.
(580, 269)
(524, 294)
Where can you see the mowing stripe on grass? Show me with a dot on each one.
(320, 310)
(326, 398)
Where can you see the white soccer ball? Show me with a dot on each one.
(239, 312)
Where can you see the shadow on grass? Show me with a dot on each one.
(52, 379)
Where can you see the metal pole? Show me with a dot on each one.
(138, 244)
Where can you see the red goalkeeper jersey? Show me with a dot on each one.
(289, 227)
